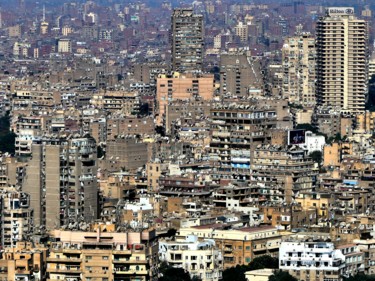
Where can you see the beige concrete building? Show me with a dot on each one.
(61, 181)
(238, 246)
(342, 60)
(154, 171)
(119, 185)
(126, 153)
(365, 122)
(15, 31)
(121, 101)
(64, 46)
(241, 30)
(237, 128)
(117, 126)
(103, 255)
(282, 173)
(299, 69)
(239, 74)
(16, 216)
(24, 261)
(186, 113)
(181, 87)
(28, 128)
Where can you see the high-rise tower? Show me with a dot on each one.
(187, 41)
(342, 60)
(298, 62)
(61, 181)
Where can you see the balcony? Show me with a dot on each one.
(65, 270)
(65, 260)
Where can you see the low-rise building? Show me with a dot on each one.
(238, 246)
(319, 260)
(201, 259)
(104, 254)
(25, 261)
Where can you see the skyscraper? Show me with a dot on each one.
(187, 40)
(342, 60)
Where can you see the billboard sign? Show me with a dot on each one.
(296, 137)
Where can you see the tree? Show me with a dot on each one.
(100, 152)
(238, 273)
(316, 156)
(360, 277)
(263, 262)
(281, 276)
(307, 127)
(169, 273)
(235, 273)
(7, 137)
(336, 138)
(160, 130)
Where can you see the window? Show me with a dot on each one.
(105, 257)
(247, 248)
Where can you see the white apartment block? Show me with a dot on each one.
(201, 259)
(318, 261)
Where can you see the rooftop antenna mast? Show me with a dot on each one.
(44, 13)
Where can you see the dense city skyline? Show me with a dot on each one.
(187, 140)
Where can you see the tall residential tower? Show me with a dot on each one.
(187, 41)
(342, 60)
(299, 69)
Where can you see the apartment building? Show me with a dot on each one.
(187, 40)
(241, 30)
(127, 153)
(61, 181)
(16, 216)
(24, 261)
(238, 246)
(126, 102)
(116, 126)
(186, 113)
(28, 128)
(281, 173)
(239, 74)
(181, 87)
(201, 259)
(12, 172)
(64, 46)
(103, 254)
(318, 260)
(31, 99)
(342, 60)
(298, 61)
(237, 128)
(118, 185)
